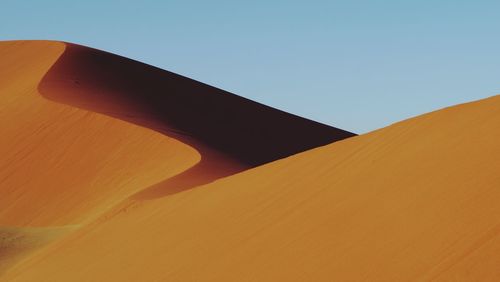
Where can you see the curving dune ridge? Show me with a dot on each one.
(230, 132)
(76, 151)
(85, 132)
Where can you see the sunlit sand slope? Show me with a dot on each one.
(61, 165)
(418, 200)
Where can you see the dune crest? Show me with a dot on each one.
(231, 133)
(79, 145)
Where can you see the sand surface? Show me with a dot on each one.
(415, 201)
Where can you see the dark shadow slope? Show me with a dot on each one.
(230, 132)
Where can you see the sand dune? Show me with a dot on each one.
(86, 132)
(231, 133)
(79, 154)
(128, 173)
(417, 200)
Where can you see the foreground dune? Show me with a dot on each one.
(86, 132)
(417, 200)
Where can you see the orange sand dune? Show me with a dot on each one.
(418, 200)
(86, 132)
(79, 159)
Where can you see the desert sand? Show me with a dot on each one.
(417, 200)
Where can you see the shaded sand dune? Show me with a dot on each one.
(83, 130)
(88, 159)
(416, 201)
(230, 132)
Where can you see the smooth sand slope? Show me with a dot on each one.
(84, 130)
(418, 200)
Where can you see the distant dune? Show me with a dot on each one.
(86, 132)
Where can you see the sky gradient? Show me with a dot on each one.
(357, 65)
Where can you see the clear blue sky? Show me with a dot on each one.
(358, 65)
